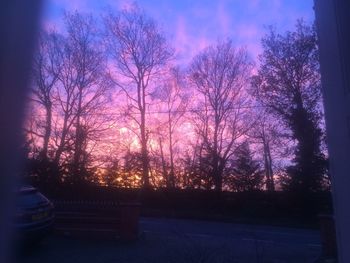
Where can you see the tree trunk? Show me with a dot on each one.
(60, 147)
(172, 172)
(216, 158)
(144, 152)
(165, 174)
(272, 181)
(217, 176)
(47, 134)
(270, 185)
(78, 143)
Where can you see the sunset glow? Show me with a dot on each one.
(160, 93)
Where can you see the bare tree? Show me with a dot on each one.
(139, 52)
(174, 105)
(265, 133)
(82, 93)
(91, 83)
(46, 69)
(219, 74)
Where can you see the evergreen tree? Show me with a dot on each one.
(288, 84)
(245, 173)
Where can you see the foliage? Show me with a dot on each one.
(244, 173)
(288, 84)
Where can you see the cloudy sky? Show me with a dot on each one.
(193, 24)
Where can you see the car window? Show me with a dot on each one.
(31, 199)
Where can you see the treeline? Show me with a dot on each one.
(110, 106)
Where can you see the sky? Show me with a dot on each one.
(191, 25)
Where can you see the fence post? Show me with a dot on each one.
(129, 219)
(328, 237)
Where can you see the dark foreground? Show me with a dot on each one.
(171, 240)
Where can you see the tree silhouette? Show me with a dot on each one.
(244, 173)
(219, 74)
(288, 84)
(46, 68)
(90, 85)
(139, 53)
(174, 102)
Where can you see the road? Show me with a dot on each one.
(239, 232)
(174, 240)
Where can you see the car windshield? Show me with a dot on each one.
(31, 198)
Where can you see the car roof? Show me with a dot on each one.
(26, 189)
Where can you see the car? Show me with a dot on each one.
(34, 214)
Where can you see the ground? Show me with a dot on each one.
(174, 240)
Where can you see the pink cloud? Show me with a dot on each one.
(80, 5)
(223, 18)
(248, 31)
(249, 35)
(186, 44)
(125, 4)
(253, 4)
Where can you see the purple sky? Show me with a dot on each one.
(193, 24)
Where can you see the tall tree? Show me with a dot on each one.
(265, 136)
(288, 84)
(46, 69)
(81, 94)
(174, 104)
(139, 52)
(219, 74)
(91, 85)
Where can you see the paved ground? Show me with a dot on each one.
(172, 240)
